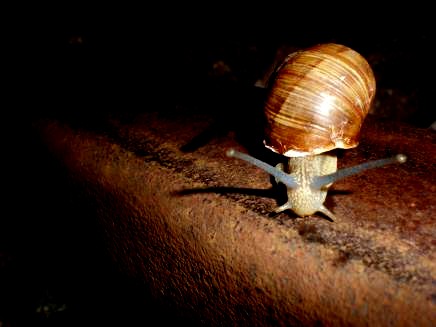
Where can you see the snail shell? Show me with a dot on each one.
(319, 100)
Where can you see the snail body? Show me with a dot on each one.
(305, 200)
(317, 103)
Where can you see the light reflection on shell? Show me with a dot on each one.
(318, 101)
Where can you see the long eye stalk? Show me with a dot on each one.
(277, 173)
(321, 181)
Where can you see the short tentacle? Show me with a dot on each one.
(327, 212)
(283, 207)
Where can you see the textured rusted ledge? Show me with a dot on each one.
(195, 225)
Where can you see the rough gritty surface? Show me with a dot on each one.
(196, 225)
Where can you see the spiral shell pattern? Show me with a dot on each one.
(318, 101)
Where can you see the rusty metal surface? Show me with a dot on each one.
(196, 225)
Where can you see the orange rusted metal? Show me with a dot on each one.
(195, 226)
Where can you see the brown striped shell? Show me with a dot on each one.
(319, 100)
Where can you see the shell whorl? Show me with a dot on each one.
(318, 101)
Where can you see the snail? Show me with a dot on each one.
(318, 101)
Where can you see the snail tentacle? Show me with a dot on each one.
(327, 212)
(320, 181)
(283, 207)
(286, 179)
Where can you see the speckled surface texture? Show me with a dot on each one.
(196, 226)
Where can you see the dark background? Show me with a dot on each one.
(80, 63)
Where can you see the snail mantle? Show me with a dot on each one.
(172, 221)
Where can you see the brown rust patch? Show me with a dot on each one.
(310, 233)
